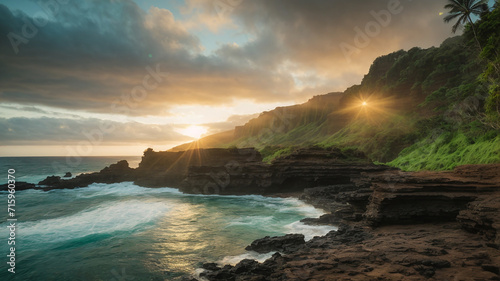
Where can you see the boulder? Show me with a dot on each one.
(285, 244)
(50, 181)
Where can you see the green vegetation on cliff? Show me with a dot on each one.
(421, 109)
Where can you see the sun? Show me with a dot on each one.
(194, 131)
(372, 108)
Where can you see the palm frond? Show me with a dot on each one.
(455, 27)
(479, 5)
(451, 17)
(462, 9)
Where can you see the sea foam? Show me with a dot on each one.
(309, 231)
(108, 218)
(233, 260)
(120, 189)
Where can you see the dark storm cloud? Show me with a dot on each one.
(91, 54)
(25, 131)
(311, 33)
(97, 51)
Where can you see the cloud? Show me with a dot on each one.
(95, 54)
(310, 33)
(92, 54)
(45, 131)
(229, 124)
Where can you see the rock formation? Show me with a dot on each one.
(285, 244)
(302, 169)
(413, 226)
(231, 171)
(394, 225)
(118, 172)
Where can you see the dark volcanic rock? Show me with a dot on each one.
(118, 172)
(198, 170)
(68, 175)
(302, 169)
(326, 219)
(345, 235)
(285, 244)
(403, 197)
(313, 167)
(210, 266)
(50, 181)
(232, 171)
(233, 178)
(213, 170)
(247, 270)
(411, 228)
(409, 252)
(345, 202)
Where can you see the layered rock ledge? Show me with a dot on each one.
(394, 226)
(231, 171)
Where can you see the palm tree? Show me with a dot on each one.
(463, 9)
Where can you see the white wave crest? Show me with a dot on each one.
(309, 231)
(233, 260)
(106, 218)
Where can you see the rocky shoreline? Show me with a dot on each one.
(229, 171)
(393, 225)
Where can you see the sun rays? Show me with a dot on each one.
(193, 131)
(371, 108)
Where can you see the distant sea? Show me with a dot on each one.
(126, 232)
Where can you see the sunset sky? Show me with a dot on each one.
(127, 75)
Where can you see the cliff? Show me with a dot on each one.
(417, 109)
(159, 169)
(304, 168)
(167, 168)
(231, 171)
(118, 172)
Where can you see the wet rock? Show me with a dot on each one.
(246, 265)
(210, 266)
(118, 172)
(411, 228)
(68, 175)
(285, 244)
(326, 219)
(345, 235)
(50, 181)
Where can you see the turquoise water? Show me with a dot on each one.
(127, 232)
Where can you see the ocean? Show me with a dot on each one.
(126, 232)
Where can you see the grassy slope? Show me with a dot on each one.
(434, 120)
(448, 151)
(216, 140)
